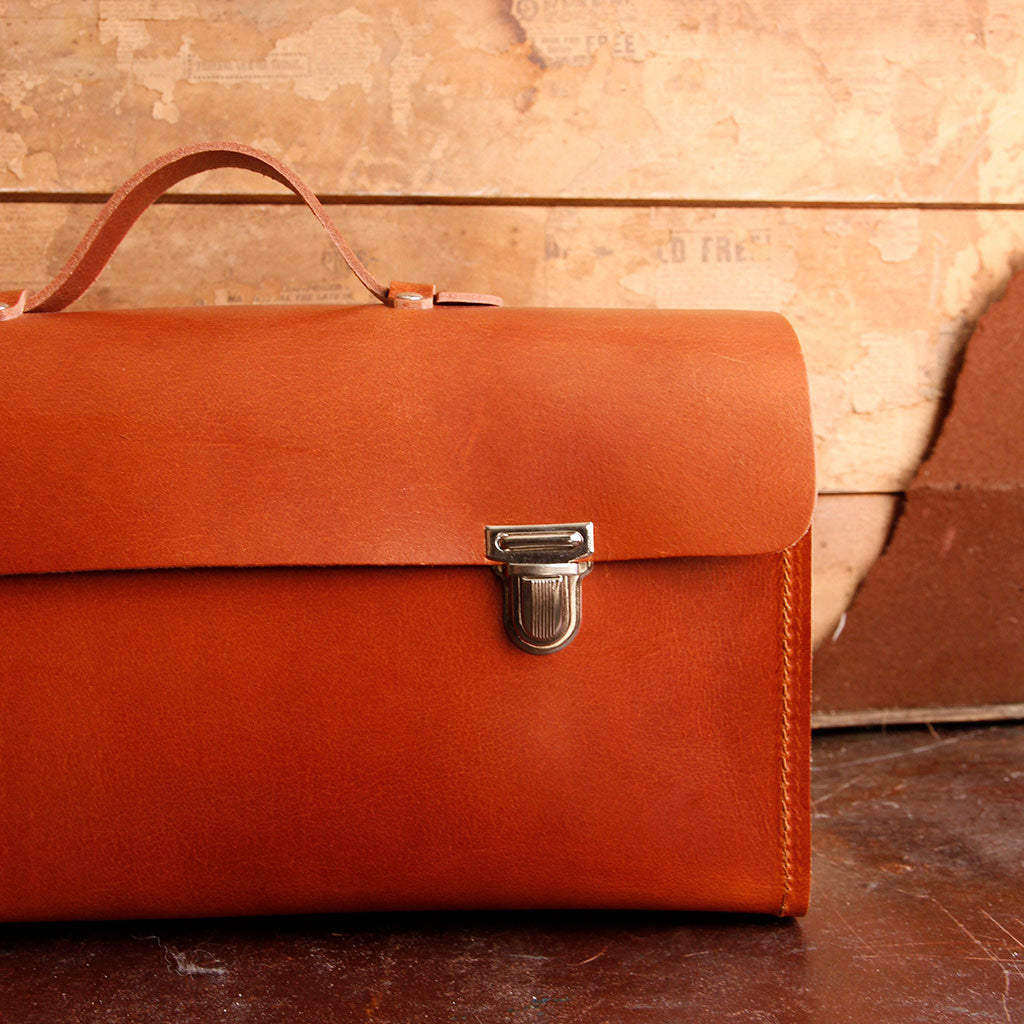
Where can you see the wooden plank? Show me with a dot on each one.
(882, 300)
(916, 716)
(177, 256)
(548, 98)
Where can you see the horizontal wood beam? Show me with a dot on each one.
(881, 300)
(536, 98)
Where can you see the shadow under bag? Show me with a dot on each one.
(429, 603)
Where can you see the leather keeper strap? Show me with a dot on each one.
(128, 203)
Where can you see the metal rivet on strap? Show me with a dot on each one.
(410, 296)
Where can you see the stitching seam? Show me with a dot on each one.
(786, 830)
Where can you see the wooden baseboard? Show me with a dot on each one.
(915, 716)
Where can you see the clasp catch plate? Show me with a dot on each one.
(542, 578)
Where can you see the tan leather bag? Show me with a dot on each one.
(423, 604)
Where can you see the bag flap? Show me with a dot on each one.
(244, 436)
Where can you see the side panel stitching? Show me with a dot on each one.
(786, 828)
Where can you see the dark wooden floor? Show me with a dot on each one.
(917, 915)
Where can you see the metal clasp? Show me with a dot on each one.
(542, 577)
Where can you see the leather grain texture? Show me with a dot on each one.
(253, 662)
(252, 655)
(369, 435)
(248, 741)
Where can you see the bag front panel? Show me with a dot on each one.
(239, 741)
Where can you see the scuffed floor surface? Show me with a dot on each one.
(917, 915)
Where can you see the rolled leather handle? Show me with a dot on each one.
(131, 200)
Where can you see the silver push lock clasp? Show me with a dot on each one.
(542, 577)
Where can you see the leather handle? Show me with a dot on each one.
(131, 200)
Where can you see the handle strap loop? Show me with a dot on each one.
(129, 202)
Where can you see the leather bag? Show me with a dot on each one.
(428, 603)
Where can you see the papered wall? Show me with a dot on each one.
(859, 167)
